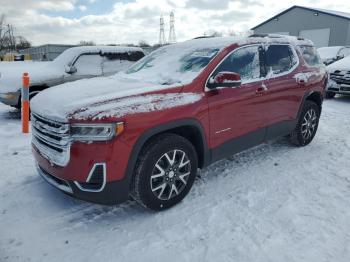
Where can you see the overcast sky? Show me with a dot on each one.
(128, 21)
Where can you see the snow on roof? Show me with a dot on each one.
(70, 53)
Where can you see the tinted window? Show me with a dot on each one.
(279, 59)
(310, 55)
(129, 56)
(244, 61)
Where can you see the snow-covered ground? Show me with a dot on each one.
(271, 203)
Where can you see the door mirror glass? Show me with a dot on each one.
(71, 69)
(225, 79)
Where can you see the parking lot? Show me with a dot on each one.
(274, 202)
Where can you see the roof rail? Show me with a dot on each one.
(267, 35)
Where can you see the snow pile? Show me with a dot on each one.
(136, 104)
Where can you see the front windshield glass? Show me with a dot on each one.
(173, 64)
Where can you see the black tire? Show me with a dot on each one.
(152, 160)
(305, 130)
(330, 95)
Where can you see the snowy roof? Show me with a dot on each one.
(319, 10)
(71, 53)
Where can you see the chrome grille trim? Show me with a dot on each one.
(52, 139)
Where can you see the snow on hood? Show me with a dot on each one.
(11, 74)
(343, 64)
(101, 94)
(136, 104)
(328, 52)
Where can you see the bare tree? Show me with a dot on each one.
(22, 43)
(143, 43)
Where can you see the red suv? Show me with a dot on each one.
(145, 132)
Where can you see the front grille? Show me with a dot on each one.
(341, 76)
(345, 88)
(52, 139)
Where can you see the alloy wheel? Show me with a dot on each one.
(170, 174)
(308, 126)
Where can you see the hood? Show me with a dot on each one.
(343, 64)
(11, 74)
(102, 97)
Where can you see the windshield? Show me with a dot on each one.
(173, 64)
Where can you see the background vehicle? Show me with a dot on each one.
(339, 73)
(332, 54)
(73, 64)
(145, 132)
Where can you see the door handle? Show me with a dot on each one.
(263, 88)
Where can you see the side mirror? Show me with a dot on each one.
(225, 79)
(340, 57)
(71, 69)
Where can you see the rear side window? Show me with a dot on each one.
(245, 61)
(279, 59)
(129, 56)
(310, 55)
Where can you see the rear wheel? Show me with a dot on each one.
(165, 172)
(307, 124)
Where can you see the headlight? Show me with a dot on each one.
(95, 132)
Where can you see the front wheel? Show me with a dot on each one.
(165, 172)
(307, 125)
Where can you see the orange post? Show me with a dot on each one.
(25, 103)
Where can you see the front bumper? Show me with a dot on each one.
(343, 89)
(112, 192)
(11, 98)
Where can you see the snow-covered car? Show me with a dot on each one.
(73, 64)
(332, 54)
(339, 74)
(145, 132)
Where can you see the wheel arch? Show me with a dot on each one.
(190, 129)
(314, 96)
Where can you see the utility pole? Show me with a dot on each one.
(161, 32)
(172, 35)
